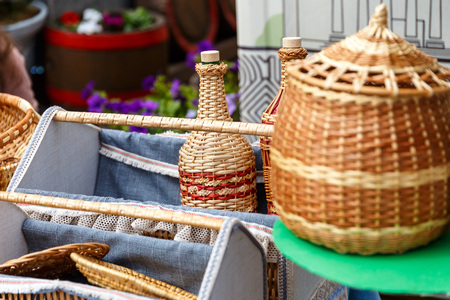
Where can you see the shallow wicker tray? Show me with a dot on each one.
(111, 276)
(52, 263)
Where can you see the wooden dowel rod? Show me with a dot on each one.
(164, 122)
(113, 209)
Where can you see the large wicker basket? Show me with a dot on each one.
(361, 151)
(18, 122)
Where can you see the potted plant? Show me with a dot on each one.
(22, 20)
(115, 48)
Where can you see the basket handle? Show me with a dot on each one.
(17, 130)
(164, 122)
(114, 209)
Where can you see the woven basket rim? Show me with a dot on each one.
(295, 73)
(134, 279)
(58, 255)
(24, 124)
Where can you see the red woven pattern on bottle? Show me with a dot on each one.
(210, 186)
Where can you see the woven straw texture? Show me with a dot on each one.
(217, 170)
(54, 295)
(51, 263)
(361, 152)
(269, 117)
(111, 276)
(164, 122)
(18, 122)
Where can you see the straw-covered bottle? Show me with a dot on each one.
(292, 49)
(217, 170)
(361, 151)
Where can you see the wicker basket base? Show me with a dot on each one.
(364, 240)
(244, 204)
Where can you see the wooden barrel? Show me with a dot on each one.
(117, 62)
(192, 21)
(229, 11)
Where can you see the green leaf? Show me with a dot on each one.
(137, 19)
(172, 108)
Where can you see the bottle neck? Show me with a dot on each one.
(286, 55)
(212, 102)
(283, 74)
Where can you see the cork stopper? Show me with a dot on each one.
(211, 56)
(292, 42)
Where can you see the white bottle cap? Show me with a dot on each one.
(292, 42)
(210, 56)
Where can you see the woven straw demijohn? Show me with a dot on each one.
(292, 49)
(217, 170)
(361, 151)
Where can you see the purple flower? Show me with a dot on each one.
(191, 59)
(95, 103)
(205, 45)
(147, 113)
(149, 105)
(88, 90)
(112, 20)
(231, 102)
(235, 67)
(135, 106)
(117, 106)
(175, 88)
(138, 129)
(195, 102)
(191, 113)
(148, 83)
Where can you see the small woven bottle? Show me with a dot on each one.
(292, 49)
(217, 170)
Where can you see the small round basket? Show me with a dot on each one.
(18, 122)
(111, 276)
(361, 148)
(52, 263)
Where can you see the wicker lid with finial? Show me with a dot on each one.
(374, 61)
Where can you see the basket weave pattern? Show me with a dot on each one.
(18, 122)
(51, 263)
(361, 154)
(54, 295)
(269, 117)
(217, 170)
(111, 276)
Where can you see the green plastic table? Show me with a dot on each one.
(425, 270)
